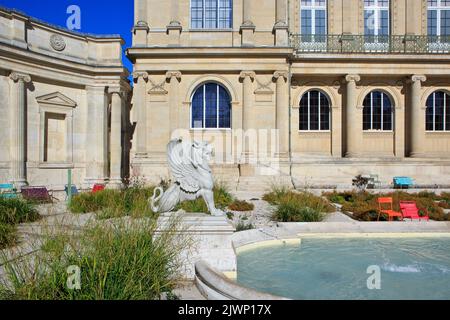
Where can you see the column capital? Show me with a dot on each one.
(173, 74)
(352, 78)
(116, 90)
(141, 25)
(17, 76)
(278, 74)
(417, 77)
(247, 74)
(140, 74)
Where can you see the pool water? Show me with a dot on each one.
(337, 269)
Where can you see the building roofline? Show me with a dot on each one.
(13, 11)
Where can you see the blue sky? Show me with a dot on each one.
(97, 16)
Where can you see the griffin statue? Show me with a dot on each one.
(192, 177)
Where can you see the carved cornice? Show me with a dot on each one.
(173, 74)
(352, 78)
(278, 74)
(17, 76)
(247, 74)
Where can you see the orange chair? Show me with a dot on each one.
(385, 206)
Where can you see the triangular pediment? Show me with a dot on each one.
(58, 99)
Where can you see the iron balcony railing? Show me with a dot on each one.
(406, 44)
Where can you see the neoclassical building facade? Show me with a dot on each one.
(63, 104)
(343, 87)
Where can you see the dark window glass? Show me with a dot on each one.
(197, 109)
(377, 112)
(314, 111)
(211, 107)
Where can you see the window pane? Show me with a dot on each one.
(210, 14)
(314, 110)
(429, 118)
(225, 14)
(387, 113)
(304, 112)
(197, 109)
(447, 112)
(320, 22)
(439, 111)
(306, 22)
(224, 109)
(432, 22)
(197, 14)
(445, 22)
(376, 110)
(369, 22)
(211, 105)
(367, 113)
(384, 23)
(324, 113)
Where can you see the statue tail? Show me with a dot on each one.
(155, 199)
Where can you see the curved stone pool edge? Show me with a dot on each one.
(217, 286)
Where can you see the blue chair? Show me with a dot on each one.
(74, 190)
(7, 191)
(403, 182)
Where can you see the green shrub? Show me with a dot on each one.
(241, 206)
(117, 262)
(222, 199)
(114, 203)
(12, 213)
(291, 212)
(242, 226)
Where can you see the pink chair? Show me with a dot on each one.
(411, 211)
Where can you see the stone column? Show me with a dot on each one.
(353, 122)
(280, 29)
(247, 28)
(282, 111)
(417, 126)
(174, 78)
(174, 28)
(247, 78)
(140, 94)
(96, 135)
(116, 139)
(18, 163)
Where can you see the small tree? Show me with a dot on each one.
(361, 182)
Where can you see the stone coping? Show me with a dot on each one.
(56, 27)
(286, 233)
(216, 286)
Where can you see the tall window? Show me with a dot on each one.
(211, 107)
(438, 112)
(211, 14)
(313, 20)
(439, 17)
(377, 112)
(376, 18)
(314, 111)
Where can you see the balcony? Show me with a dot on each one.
(406, 44)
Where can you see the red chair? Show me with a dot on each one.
(411, 211)
(385, 206)
(97, 188)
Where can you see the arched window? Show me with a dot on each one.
(211, 14)
(314, 111)
(211, 107)
(377, 112)
(438, 112)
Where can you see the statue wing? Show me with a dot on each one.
(182, 167)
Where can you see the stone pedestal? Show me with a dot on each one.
(211, 241)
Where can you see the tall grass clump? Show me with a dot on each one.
(132, 201)
(12, 213)
(293, 206)
(123, 261)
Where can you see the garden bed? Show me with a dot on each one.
(363, 205)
